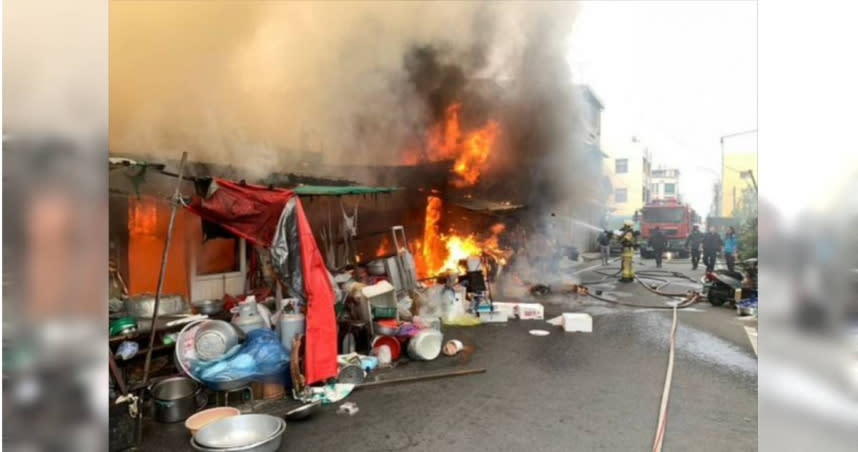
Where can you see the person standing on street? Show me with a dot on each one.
(731, 245)
(693, 242)
(711, 245)
(604, 241)
(658, 242)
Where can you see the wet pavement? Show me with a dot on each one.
(562, 392)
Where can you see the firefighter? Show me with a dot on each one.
(628, 238)
(693, 242)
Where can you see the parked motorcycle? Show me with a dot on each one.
(720, 286)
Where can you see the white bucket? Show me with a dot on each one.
(425, 345)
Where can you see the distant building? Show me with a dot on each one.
(664, 184)
(628, 167)
(591, 125)
(738, 172)
(591, 117)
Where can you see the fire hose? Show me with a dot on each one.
(691, 298)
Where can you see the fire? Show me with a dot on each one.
(478, 146)
(432, 249)
(470, 151)
(383, 248)
(439, 252)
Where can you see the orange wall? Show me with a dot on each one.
(147, 230)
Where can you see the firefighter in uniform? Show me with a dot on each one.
(628, 238)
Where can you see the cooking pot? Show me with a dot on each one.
(176, 398)
(376, 267)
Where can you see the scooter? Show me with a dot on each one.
(722, 285)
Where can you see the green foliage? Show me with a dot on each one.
(748, 238)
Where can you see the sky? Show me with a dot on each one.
(679, 75)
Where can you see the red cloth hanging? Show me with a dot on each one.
(320, 360)
(248, 211)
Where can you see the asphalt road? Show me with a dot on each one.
(563, 392)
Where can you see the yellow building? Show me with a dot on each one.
(739, 160)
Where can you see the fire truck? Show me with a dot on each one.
(675, 221)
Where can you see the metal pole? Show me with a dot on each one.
(175, 203)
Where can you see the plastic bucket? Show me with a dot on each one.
(391, 342)
(425, 345)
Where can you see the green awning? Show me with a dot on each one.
(333, 190)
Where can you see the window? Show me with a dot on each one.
(669, 189)
(621, 166)
(664, 215)
(621, 195)
(220, 255)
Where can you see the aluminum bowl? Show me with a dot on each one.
(303, 411)
(247, 432)
(214, 338)
(208, 307)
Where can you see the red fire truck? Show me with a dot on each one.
(675, 221)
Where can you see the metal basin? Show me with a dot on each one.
(208, 307)
(303, 411)
(248, 432)
(143, 306)
(214, 338)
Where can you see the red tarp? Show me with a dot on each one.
(253, 212)
(248, 211)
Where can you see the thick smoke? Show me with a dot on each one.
(221, 78)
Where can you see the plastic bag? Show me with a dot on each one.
(260, 356)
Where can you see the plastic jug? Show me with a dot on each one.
(248, 317)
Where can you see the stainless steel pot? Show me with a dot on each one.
(176, 398)
(375, 267)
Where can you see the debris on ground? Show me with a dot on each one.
(539, 333)
(349, 408)
(540, 290)
(453, 347)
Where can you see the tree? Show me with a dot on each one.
(748, 238)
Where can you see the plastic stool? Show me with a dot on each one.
(240, 390)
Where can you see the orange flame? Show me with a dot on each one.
(470, 150)
(439, 252)
(478, 146)
(383, 248)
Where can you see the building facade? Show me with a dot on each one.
(738, 172)
(628, 166)
(664, 184)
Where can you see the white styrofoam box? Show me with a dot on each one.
(507, 309)
(577, 321)
(530, 311)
